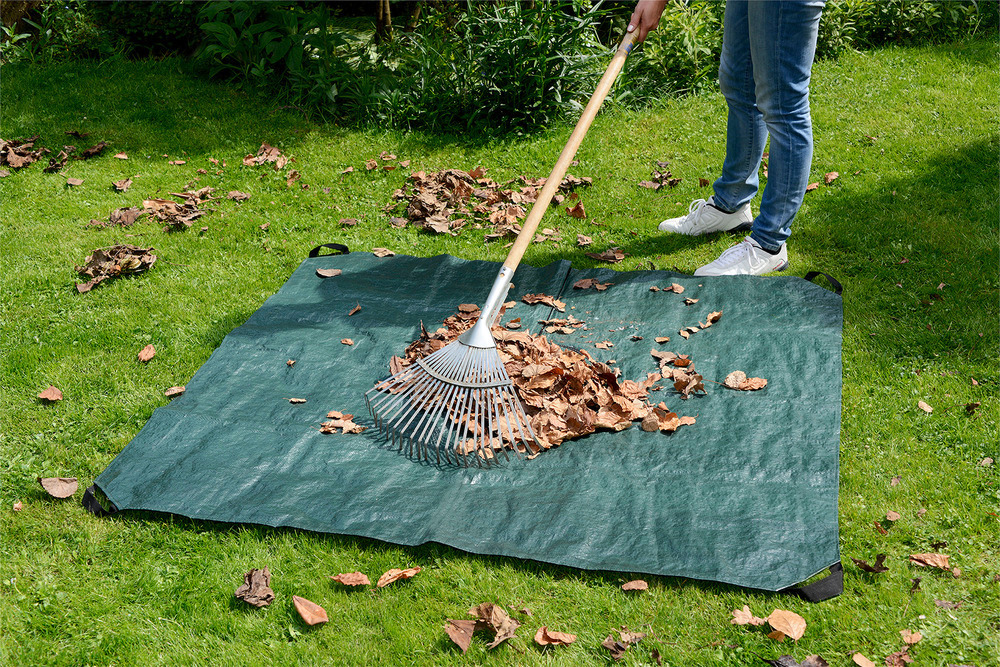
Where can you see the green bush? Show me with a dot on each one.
(148, 28)
(53, 31)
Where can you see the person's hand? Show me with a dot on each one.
(645, 18)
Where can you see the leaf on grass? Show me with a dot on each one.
(51, 394)
(986, 462)
(546, 637)
(576, 211)
(348, 222)
(899, 658)
(830, 177)
(788, 623)
(121, 156)
(939, 561)
(256, 588)
(74, 181)
(496, 619)
(744, 617)
(812, 186)
(59, 487)
(328, 273)
(347, 341)
(355, 310)
(174, 391)
(945, 604)
(617, 647)
(703, 183)
(123, 185)
(177, 162)
(738, 380)
(789, 661)
(395, 575)
(583, 240)
(896, 479)
(636, 585)
(877, 568)
(926, 408)
(892, 515)
(861, 661)
(910, 638)
(461, 630)
(612, 255)
(236, 195)
(147, 353)
(17, 506)
(311, 613)
(532, 299)
(94, 150)
(352, 579)
(382, 252)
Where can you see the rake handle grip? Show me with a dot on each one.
(566, 157)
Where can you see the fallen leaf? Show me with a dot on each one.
(892, 515)
(617, 647)
(59, 487)
(121, 156)
(174, 391)
(348, 222)
(830, 177)
(356, 309)
(290, 363)
(382, 252)
(347, 170)
(915, 581)
(612, 255)
(877, 568)
(74, 181)
(879, 528)
(347, 341)
(703, 183)
(177, 162)
(898, 659)
(812, 186)
(789, 661)
(461, 630)
(256, 588)
(788, 623)
(352, 579)
(546, 637)
(328, 273)
(910, 638)
(956, 572)
(147, 353)
(776, 635)
(945, 604)
(396, 574)
(94, 150)
(744, 617)
(51, 394)
(310, 612)
(17, 506)
(688, 301)
(296, 401)
(236, 195)
(532, 299)
(970, 408)
(738, 380)
(862, 661)
(986, 462)
(496, 619)
(896, 479)
(587, 283)
(926, 408)
(583, 240)
(265, 226)
(576, 211)
(123, 185)
(637, 585)
(939, 561)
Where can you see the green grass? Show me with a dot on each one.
(150, 589)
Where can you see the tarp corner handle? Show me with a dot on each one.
(93, 505)
(838, 289)
(828, 587)
(340, 248)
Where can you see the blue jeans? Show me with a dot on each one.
(767, 55)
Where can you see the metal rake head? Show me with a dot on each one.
(456, 406)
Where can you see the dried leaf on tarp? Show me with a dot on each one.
(311, 613)
(355, 310)
(174, 391)
(939, 561)
(877, 568)
(688, 301)
(59, 487)
(382, 252)
(346, 341)
(636, 585)
(147, 353)
(340, 420)
(256, 588)
(788, 623)
(496, 619)
(532, 299)
(106, 263)
(612, 255)
(94, 150)
(396, 574)
(675, 288)
(352, 579)
(236, 195)
(123, 185)
(546, 637)
(51, 394)
(461, 630)
(328, 273)
(744, 617)
(738, 380)
(587, 283)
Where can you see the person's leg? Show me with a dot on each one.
(745, 129)
(782, 46)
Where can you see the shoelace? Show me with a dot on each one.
(694, 213)
(735, 254)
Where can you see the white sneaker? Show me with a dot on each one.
(704, 218)
(746, 258)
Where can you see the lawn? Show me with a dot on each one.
(910, 227)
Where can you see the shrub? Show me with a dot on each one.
(149, 28)
(52, 31)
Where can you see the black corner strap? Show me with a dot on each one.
(93, 505)
(339, 247)
(828, 587)
(837, 287)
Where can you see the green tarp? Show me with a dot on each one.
(747, 495)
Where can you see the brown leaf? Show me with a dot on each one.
(396, 574)
(910, 638)
(926, 408)
(348, 222)
(898, 659)
(177, 162)
(896, 479)
(74, 181)
(877, 568)
(939, 561)
(787, 622)
(617, 647)
(738, 380)
(461, 630)
(576, 211)
(236, 195)
(744, 617)
(703, 183)
(688, 301)
(290, 363)
(59, 487)
(256, 588)
(123, 185)
(94, 150)
(879, 528)
(296, 401)
(121, 156)
(662, 339)
(347, 341)
(497, 620)
(637, 585)
(17, 506)
(147, 353)
(310, 612)
(830, 177)
(612, 255)
(51, 394)
(347, 170)
(328, 273)
(583, 240)
(892, 515)
(776, 635)
(174, 391)
(532, 299)
(862, 661)
(382, 252)
(812, 186)
(546, 637)
(356, 309)
(371, 164)
(352, 579)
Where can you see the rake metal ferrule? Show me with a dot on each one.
(479, 335)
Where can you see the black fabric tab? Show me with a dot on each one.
(93, 505)
(828, 587)
(339, 247)
(837, 287)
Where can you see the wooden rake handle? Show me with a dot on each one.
(566, 157)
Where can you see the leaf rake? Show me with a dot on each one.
(458, 405)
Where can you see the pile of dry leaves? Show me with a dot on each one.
(445, 201)
(566, 393)
(112, 262)
(19, 153)
(180, 215)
